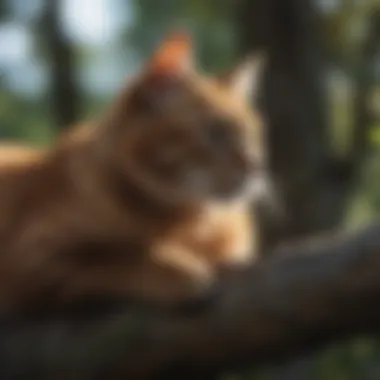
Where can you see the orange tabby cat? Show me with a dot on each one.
(149, 203)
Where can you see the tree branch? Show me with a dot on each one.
(300, 298)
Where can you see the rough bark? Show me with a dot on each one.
(300, 298)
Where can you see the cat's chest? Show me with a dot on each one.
(221, 233)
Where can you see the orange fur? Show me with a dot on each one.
(171, 53)
(17, 154)
(149, 203)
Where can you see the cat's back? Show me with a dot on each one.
(19, 164)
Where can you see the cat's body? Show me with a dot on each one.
(142, 205)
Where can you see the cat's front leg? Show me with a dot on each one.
(189, 264)
(195, 287)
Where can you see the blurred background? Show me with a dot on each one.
(61, 61)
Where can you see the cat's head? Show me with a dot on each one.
(188, 136)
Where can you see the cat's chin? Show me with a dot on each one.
(257, 187)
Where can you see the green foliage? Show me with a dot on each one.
(4, 10)
(344, 28)
(30, 124)
(375, 135)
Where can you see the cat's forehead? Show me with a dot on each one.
(215, 97)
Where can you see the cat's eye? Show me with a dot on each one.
(219, 132)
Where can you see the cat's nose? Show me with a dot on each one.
(248, 167)
(238, 179)
(248, 161)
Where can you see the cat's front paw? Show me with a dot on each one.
(184, 275)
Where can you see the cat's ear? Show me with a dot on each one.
(160, 83)
(245, 79)
(173, 56)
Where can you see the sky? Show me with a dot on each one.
(93, 23)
